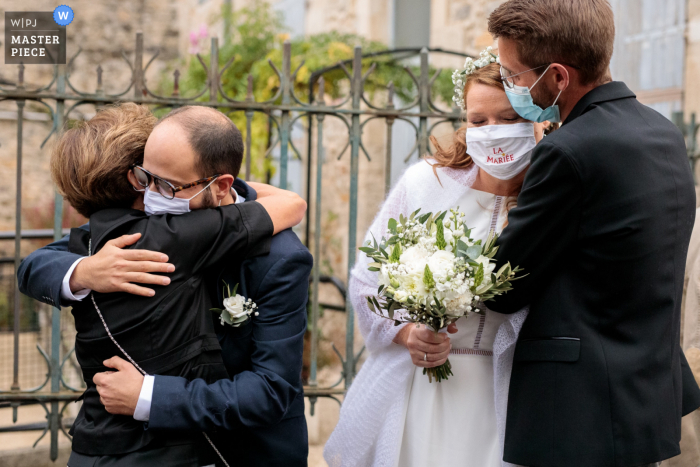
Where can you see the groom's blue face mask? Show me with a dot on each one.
(521, 100)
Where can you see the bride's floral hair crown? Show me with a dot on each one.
(486, 57)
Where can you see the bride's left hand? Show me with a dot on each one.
(427, 349)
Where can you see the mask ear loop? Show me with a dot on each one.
(538, 80)
(202, 191)
(541, 76)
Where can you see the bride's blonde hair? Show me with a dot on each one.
(455, 155)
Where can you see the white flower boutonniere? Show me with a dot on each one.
(237, 310)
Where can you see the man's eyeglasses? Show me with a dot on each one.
(164, 187)
(508, 80)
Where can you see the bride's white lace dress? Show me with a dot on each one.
(392, 416)
(453, 423)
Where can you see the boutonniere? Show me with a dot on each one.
(237, 310)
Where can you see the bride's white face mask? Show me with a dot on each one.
(502, 151)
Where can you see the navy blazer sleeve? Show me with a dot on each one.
(259, 397)
(41, 274)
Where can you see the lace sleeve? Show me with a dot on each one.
(378, 332)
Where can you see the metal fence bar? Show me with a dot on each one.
(54, 423)
(18, 242)
(35, 234)
(315, 311)
(286, 82)
(355, 139)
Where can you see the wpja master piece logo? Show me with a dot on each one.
(37, 37)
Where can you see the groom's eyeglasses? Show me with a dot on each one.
(164, 187)
(508, 80)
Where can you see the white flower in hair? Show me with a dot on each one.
(459, 77)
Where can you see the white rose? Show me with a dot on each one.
(414, 258)
(234, 306)
(401, 296)
(441, 263)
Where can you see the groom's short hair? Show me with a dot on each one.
(578, 33)
(215, 139)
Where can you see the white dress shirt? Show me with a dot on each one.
(66, 293)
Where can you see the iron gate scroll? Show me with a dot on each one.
(284, 110)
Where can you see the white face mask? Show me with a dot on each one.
(502, 151)
(155, 203)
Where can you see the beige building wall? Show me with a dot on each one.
(691, 98)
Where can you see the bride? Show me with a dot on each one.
(392, 416)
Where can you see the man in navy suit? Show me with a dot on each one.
(257, 416)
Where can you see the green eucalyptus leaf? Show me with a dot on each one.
(474, 251)
(392, 225)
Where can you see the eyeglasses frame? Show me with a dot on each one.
(174, 189)
(510, 85)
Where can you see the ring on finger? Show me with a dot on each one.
(425, 357)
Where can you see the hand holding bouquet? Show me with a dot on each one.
(431, 272)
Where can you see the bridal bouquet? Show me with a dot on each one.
(431, 272)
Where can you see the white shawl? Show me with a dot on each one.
(371, 426)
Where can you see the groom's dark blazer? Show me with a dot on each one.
(258, 414)
(602, 227)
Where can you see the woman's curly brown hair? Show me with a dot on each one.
(90, 162)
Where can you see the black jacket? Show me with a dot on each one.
(258, 412)
(171, 333)
(602, 227)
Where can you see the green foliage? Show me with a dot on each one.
(479, 276)
(395, 254)
(428, 278)
(440, 236)
(258, 35)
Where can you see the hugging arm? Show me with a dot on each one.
(262, 395)
(286, 208)
(542, 227)
(41, 273)
(115, 269)
(51, 275)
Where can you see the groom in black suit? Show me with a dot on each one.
(602, 228)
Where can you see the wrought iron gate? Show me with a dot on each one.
(59, 98)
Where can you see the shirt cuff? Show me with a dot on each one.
(66, 293)
(142, 412)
